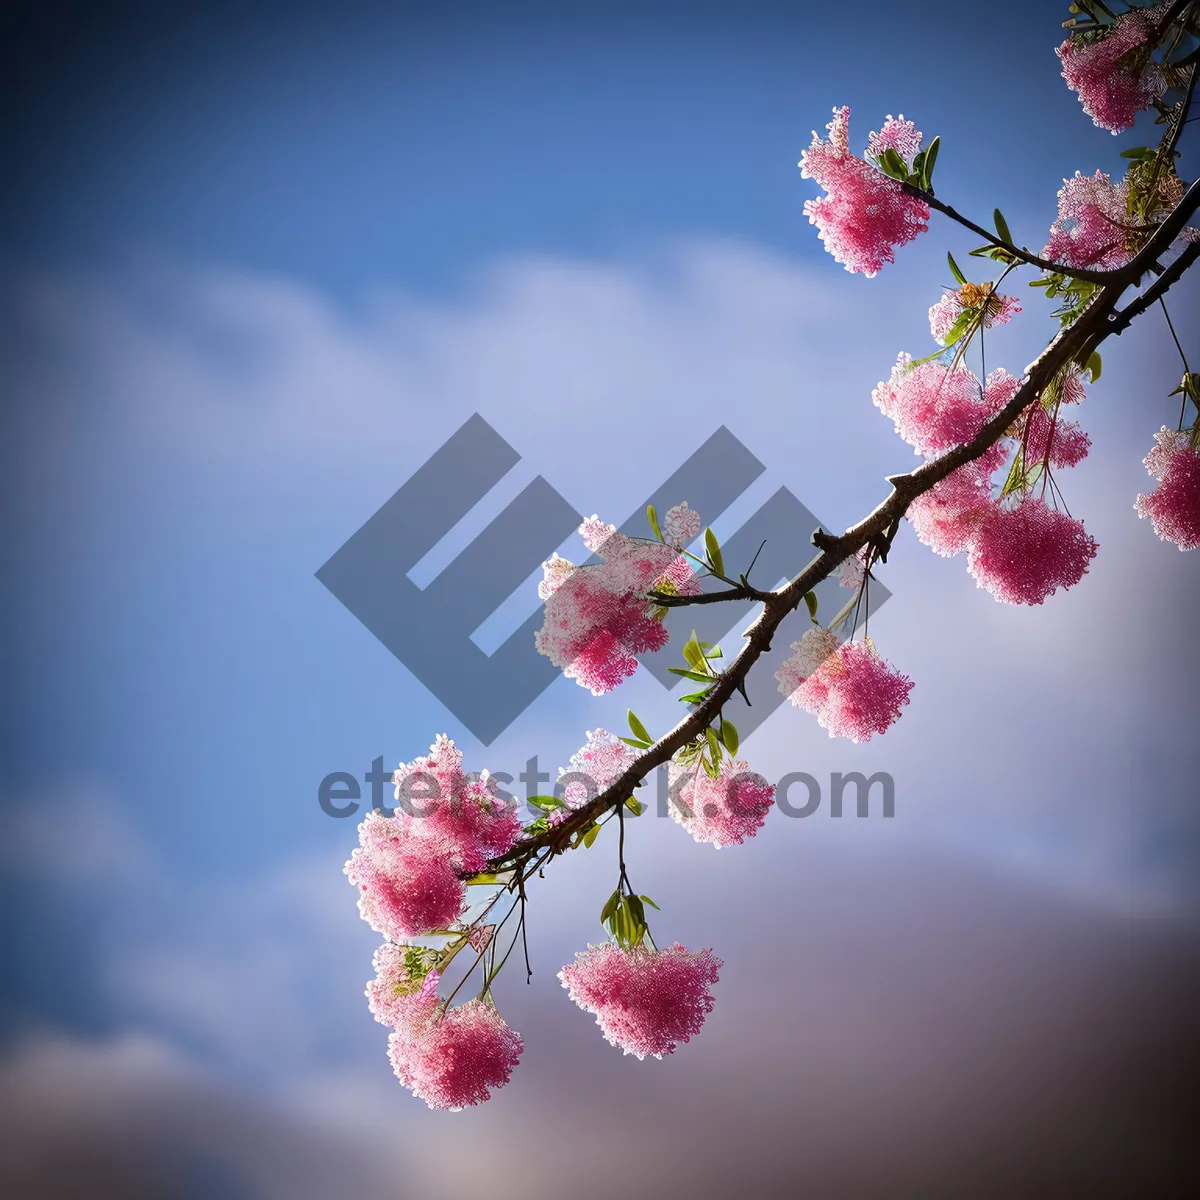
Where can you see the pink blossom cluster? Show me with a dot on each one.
(1093, 226)
(854, 570)
(865, 214)
(947, 517)
(408, 866)
(852, 690)
(1174, 506)
(936, 407)
(599, 762)
(451, 1058)
(1115, 75)
(598, 616)
(992, 307)
(391, 994)
(721, 811)
(1051, 438)
(645, 1001)
(1024, 551)
(682, 525)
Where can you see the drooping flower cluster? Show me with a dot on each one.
(404, 890)
(980, 303)
(408, 866)
(645, 1001)
(1025, 551)
(865, 214)
(457, 816)
(854, 570)
(1174, 506)
(682, 525)
(598, 617)
(947, 517)
(1094, 226)
(601, 760)
(852, 691)
(936, 407)
(1051, 438)
(722, 811)
(1114, 74)
(451, 1058)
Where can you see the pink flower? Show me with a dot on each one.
(682, 525)
(646, 1001)
(1093, 226)
(854, 693)
(598, 617)
(453, 1059)
(974, 299)
(935, 408)
(947, 517)
(1050, 435)
(1173, 506)
(1024, 552)
(602, 759)
(399, 976)
(1114, 75)
(405, 890)
(456, 816)
(817, 644)
(722, 811)
(854, 570)
(865, 213)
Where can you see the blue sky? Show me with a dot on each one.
(255, 269)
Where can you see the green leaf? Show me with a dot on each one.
(931, 153)
(652, 517)
(1002, 228)
(634, 805)
(1140, 153)
(1094, 365)
(590, 836)
(610, 906)
(639, 730)
(962, 323)
(693, 654)
(634, 904)
(690, 675)
(810, 598)
(636, 743)
(890, 163)
(650, 902)
(714, 746)
(729, 735)
(694, 697)
(714, 552)
(958, 275)
(547, 803)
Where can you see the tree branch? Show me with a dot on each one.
(1097, 322)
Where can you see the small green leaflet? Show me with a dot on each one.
(714, 552)
(639, 730)
(729, 735)
(652, 517)
(954, 269)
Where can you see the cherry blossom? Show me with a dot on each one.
(645, 1001)
(599, 762)
(947, 517)
(854, 693)
(452, 1058)
(817, 644)
(681, 525)
(458, 816)
(1093, 226)
(394, 990)
(1114, 74)
(1024, 552)
(1053, 437)
(405, 890)
(598, 617)
(1174, 506)
(977, 299)
(936, 407)
(723, 811)
(865, 214)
